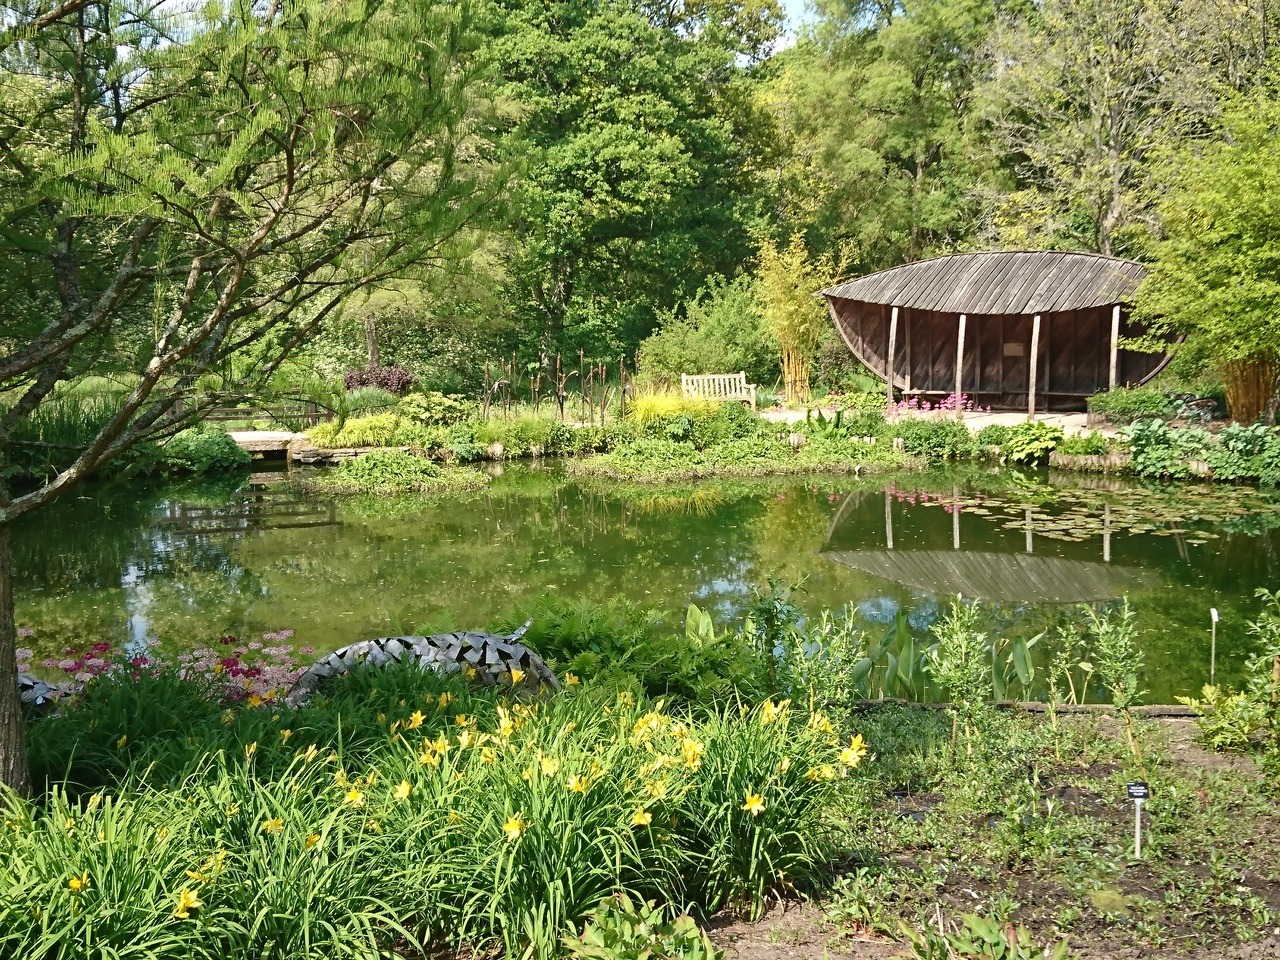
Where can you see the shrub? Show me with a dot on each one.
(1241, 451)
(376, 430)
(935, 441)
(721, 331)
(993, 435)
(1092, 444)
(436, 409)
(1127, 404)
(394, 471)
(525, 435)
(364, 400)
(395, 380)
(1031, 442)
(1158, 451)
(203, 449)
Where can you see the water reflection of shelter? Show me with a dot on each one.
(1030, 330)
(999, 568)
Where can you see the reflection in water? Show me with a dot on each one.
(182, 566)
(941, 561)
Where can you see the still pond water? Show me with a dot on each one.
(180, 566)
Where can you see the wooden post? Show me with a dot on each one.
(888, 520)
(1106, 533)
(955, 517)
(893, 347)
(960, 362)
(1035, 356)
(1114, 377)
(1031, 543)
(906, 332)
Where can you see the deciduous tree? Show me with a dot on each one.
(181, 189)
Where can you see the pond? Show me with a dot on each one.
(181, 566)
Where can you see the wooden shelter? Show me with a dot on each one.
(1013, 329)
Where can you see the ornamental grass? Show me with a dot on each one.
(400, 813)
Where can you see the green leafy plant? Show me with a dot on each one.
(1031, 442)
(979, 938)
(621, 930)
(1091, 444)
(1127, 404)
(1157, 451)
(394, 471)
(436, 409)
(203, 449)
(935, 440)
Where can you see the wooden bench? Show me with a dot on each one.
(719, 386)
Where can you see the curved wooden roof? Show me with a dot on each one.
(1017, 282)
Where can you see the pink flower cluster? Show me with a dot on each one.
(253, 672)
(922, 497)
(951, 402)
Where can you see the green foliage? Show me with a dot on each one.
(1091, 444)
(935, 440)
(203, 449)
(1215, 277)
(48, 440)
(980, 938)
(619, 930)
(992, 435)
(1242, 452)
(364, 400)
(1249, 719)
(628, 647)
(1157, 451)
(721, 330)
(1030, 442)
(375, 430)
(394, 471)
(1127, 404)
(371, 820)
(436, 409)
(1117, 657)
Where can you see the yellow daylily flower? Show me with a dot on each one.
(312, 840)
(310, 754)
(415, 720)
(285, 735)
(550, 766)
(641, 818)
(571, 680)
(402, 790)
(250, 749)
(852, 754)
(274, 825)
(505, 725)
(692, 751)
(514, 827)
(455, 817)
(516, 676)
(79, 884)
(577, 784)
(772, 712)
(354, 798)
(444, 699)
(124, 738)
(187, 901)
(463, 720)
(488, 755)
(754, 804)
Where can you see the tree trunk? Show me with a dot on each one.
(13, 751)
(371, 341)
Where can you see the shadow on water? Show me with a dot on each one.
(178, 566)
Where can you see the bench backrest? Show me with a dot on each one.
(718, 386)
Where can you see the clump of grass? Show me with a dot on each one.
(401, 811)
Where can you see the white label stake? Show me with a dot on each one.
(1138, 792)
